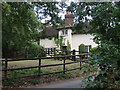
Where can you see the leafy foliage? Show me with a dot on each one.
(105, 25)
(94, 50)
(105, 28)
(59, 41)
(82, 48)
(19, 26)
(81, 12)
(107, 31)
(78, 28)
(35, 50)
(51, 10)
(68, 45)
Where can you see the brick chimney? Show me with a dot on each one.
(69, 18)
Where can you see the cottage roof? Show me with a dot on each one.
(63, 27)
(50, 31)
(53, 31)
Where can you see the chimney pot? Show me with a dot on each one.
(68, 12)
(69, 18)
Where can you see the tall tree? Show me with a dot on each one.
(105, 26)
(106, 29)
(22, 22)
(19, 24)
(50, 10)
(82, 13)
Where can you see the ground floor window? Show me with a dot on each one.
(88, 47)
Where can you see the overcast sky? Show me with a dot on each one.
(62, 14)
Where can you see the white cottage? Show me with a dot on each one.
(68, 36)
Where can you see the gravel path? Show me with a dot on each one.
(66, 84)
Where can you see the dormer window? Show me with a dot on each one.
(64, 32)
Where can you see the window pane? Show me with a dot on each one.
(62, 32)
(66, 31)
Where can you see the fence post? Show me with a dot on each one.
(64, 65)
(51, 51)
(73, 57)
(6, 65)
(48, 51)
(26, 52)
(80, 62)
(54, 51)
(39, 68)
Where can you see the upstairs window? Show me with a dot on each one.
(64, 32)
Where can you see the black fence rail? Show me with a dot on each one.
(64, 58)
(53, 51)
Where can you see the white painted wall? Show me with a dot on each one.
(67, 36)
(78, 39)
(47, 43)
(75, 40)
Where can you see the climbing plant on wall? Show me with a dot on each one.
(68, 45)
(59, 42)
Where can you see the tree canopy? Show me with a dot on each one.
(50, 10)
(21, 22)
(19, 25)
(106, 29)
(105, 26)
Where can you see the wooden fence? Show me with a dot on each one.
(51, 51)
(64, 58)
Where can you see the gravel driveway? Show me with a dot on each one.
(66, 84)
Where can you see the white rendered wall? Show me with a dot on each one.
(75, 40)
(78, 39)
(67, 37)
(47, 43)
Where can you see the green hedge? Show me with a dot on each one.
(35, 50)
(94, 50)
(82, 48)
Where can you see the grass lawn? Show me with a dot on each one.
(28, 63)
(33, 63)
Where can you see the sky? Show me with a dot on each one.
(62, 14)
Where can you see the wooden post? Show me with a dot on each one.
(39, 68)
(54, 51)
(80, 62)
(90, 46)
(64, 65)
(6, 65)
(26, 52)
(48, 51)
(51, 52)
(73, 57)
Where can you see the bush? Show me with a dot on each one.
(82, 48)
(65, 76)
(59, 54)
(36, 51)
(34, 81)
(94, 50)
